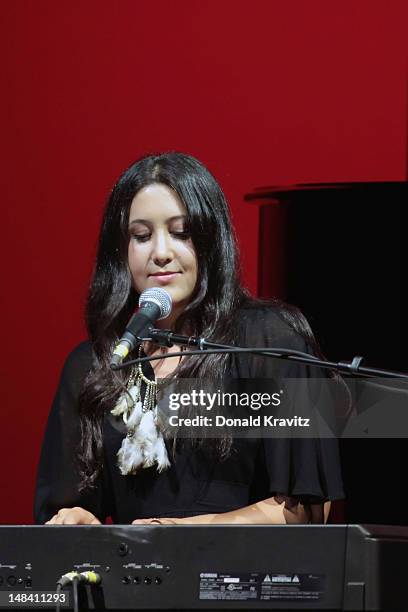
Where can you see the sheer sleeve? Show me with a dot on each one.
(303, 467)
(57, 476)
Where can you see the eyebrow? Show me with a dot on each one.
(146, 222)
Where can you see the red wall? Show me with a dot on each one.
(263, 92)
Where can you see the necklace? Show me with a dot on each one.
(143, 446)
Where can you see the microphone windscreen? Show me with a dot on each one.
(158, 296)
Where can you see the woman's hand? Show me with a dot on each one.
(278, 510)
(158, 521)
(200, 519)
(73, 516)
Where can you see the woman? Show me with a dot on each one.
(167, 225)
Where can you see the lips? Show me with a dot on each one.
(164, 277)
(157, 274)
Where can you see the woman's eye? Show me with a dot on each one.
(182, 235)
(141, 237)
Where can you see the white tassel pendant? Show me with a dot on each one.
(143, 446)
(130, 457)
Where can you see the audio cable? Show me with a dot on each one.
(75, 578)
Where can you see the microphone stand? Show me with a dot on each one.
(168, 338)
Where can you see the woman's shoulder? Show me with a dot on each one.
(271, 312)
(274, 321)
(262, 310)
(74, 371)
(82, 353)
(78, 362)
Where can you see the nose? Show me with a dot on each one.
(162, 252)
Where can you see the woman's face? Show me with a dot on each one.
(160, 252)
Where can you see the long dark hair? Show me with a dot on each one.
(112, 299)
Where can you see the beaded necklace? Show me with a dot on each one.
(143, 446)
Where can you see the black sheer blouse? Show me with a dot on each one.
(195, 483)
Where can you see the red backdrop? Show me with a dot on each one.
(262, 92)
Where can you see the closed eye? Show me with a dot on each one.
(181, 235)
(141, 237)
(146, 237)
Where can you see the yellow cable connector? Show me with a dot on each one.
(90, 577)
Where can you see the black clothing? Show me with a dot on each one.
(194, 484)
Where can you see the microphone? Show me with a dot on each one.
(154, 304)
